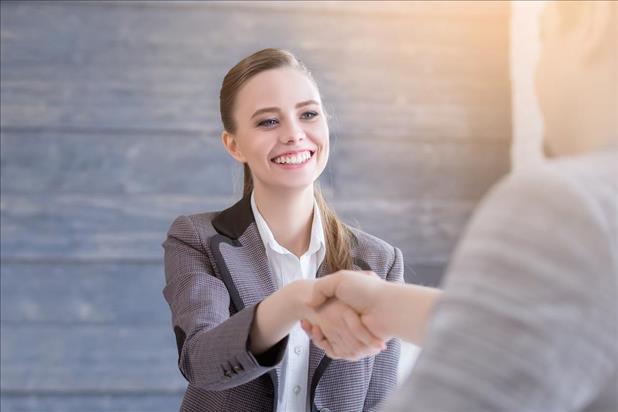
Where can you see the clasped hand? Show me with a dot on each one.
(345, 317)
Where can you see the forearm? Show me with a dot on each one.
(277, 314)
(406, 310)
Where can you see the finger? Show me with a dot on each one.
(316, 332)
(361, 332)
(306, 326)
(356, 347)
(328, 348)
(323, 289)
(340, 348)
(346, 343)
(331, 335)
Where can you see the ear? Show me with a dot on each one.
(231, 145)
(595, 27)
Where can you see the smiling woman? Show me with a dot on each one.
(239, 281)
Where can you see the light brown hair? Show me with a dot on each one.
(337, 234)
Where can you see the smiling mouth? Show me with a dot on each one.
(293, 159)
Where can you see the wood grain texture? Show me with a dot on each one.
(53, 163)
(116, 164)
(91, 402)
(152, 68)
(67, 294)
(422, 171)
(93, 358)
(78, 227)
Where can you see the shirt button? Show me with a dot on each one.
(296, 390)
(297, 350)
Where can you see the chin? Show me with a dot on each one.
(295, 186)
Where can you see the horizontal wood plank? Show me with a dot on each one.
(93, 293)
(109, 163)
(49, 162)
(97, 402)
(132, 228)
(94, 358)
(417, 170)
(148, 68)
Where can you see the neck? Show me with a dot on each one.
(289, 215)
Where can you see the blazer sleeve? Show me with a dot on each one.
(527, 321)
(384, 372)
(213, 346)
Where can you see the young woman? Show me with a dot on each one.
(239, 281)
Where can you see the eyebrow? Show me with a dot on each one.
(276, 109)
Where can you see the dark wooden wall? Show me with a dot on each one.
(109, 129)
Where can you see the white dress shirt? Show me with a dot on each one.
(287, 267)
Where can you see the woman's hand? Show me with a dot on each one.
(338, 330)
(278, 313)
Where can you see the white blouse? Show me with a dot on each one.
(287, 267)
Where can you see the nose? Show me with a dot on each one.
(292, 133)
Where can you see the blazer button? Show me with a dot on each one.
(228, 374)
(238, 368)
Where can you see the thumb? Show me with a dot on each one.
(323, 289)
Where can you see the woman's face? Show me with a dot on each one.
(281, 129)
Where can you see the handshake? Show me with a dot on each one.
(346, 314)
(350, 315)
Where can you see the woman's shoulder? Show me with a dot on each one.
(194, 225)
(371, 248)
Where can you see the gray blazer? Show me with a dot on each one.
(216, 272)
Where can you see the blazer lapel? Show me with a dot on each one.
(240, 255)
(248, 267)
(241, 260)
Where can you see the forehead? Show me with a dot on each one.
(276, 88)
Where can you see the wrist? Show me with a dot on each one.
(384, 297)
(300, 296)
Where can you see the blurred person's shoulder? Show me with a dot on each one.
(592, 178)
(595, 177)
(584, 186)
(594, 171)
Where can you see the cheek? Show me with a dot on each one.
(253, 148)
(323, 141)
(321, 136)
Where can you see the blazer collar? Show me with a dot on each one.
(233, 222)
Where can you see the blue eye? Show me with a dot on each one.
(308, 115)
(268, 123)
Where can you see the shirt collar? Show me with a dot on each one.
(317, 243)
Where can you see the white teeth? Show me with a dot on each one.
(294, 159)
